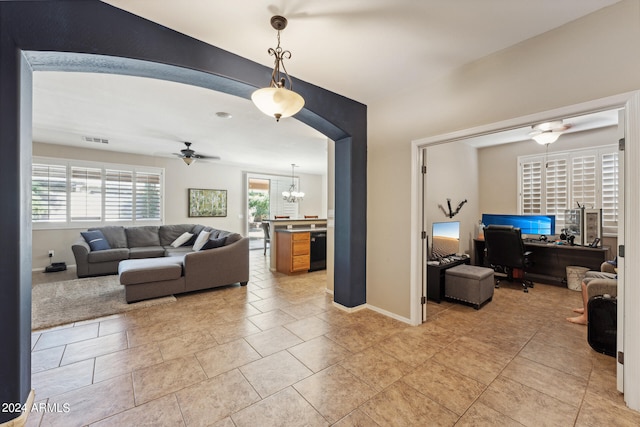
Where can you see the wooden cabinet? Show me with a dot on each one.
(293, 249)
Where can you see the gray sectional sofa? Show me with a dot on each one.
(149, 266)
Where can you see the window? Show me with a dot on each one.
(550, 185)
(78, 194)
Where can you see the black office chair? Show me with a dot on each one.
(506, 253)
(267, 237)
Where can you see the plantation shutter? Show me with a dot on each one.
(48, 193)
(277, 205)
(531, 187)
(583, 181)
(118, 203)
(86, 194)
(609, 165)
(556, 189)
(148, 196)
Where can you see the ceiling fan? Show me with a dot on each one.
(189, 156)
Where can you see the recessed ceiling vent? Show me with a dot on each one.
(94, 139)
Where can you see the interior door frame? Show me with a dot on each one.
(628, 296)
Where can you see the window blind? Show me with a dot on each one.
(49, 193)
(556, 189)
(148, 196)
(531, 187)
(609, 166)
(86, 194)
(118, 195)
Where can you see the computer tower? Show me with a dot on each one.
(592, 220)
(574, 225)
(602, 327)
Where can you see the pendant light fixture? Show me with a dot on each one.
(293, 195)
(277, 100)
(549, 132)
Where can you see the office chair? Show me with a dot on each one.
(506, 253)
(267, 236)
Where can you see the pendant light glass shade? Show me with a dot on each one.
(547, 137)
(277, 101)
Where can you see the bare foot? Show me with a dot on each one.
(580, 320)
(578, 310)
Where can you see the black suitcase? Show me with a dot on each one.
(602, 326)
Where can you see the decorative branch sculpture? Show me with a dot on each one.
(451, 213)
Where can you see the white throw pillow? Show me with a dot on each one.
(184, 238)
(201, 240)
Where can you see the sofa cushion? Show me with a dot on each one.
(169, 233)
(142, 236)
(201, 240)
(146, 252)
(96, 240)
(230, 237)
(214, 243)
(183, 239)
(135, 271)
(182, 250)
(114, 234)
(108, 255)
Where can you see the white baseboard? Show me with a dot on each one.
(389, 314)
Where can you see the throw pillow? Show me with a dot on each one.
(96, 240)
(201, 240)
(182, 239)
(214, 243)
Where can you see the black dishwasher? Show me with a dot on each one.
(318, 251)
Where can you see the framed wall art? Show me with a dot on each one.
(207, 203)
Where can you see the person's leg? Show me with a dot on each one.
(582, 318)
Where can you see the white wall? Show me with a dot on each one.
(590, 58)
(178, 179)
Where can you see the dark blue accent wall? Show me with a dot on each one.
(93, 36)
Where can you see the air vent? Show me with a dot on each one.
(94, 139)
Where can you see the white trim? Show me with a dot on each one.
(631, 102)
(349, 309)
(390, 314)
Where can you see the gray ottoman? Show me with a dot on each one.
(151, 277)
(470, 284)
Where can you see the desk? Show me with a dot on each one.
(549, 260)
(435, 278)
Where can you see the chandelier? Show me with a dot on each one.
(292, 196)
(277, 100)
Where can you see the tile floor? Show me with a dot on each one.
(278, 353)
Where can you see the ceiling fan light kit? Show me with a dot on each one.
(277, 100)
(548, 132)
(189, 156)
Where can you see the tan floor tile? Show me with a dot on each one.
(479, 366)
(526, 405)
(226, 357)
(272, 340)
(157, 413)
(376, 368)
(58, 337)
(231, 331)
(577, 364)
(159, 380)
(126, 361)
(308, 328)
(402, 405)
(303, 310)
(274, 373)
(448, 388)
(91, 403)
(271, 319)
(216, 399)
(185, 344)
(286, 408)
(356, 338)
(93, 347)
(597, 411)
(334, 392)
(319, 353)
(154, 333)
(356, 418)
(564, 387)
(409, 348)
(269, 304)
(46, 359)
(60, 380)
(480, 415)
(604, 384)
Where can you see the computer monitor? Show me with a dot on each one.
(445, 238)
(528, 224)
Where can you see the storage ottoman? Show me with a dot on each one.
(470, 284)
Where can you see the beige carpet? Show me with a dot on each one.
(70, 301)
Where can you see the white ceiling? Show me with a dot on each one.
(363, 49)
